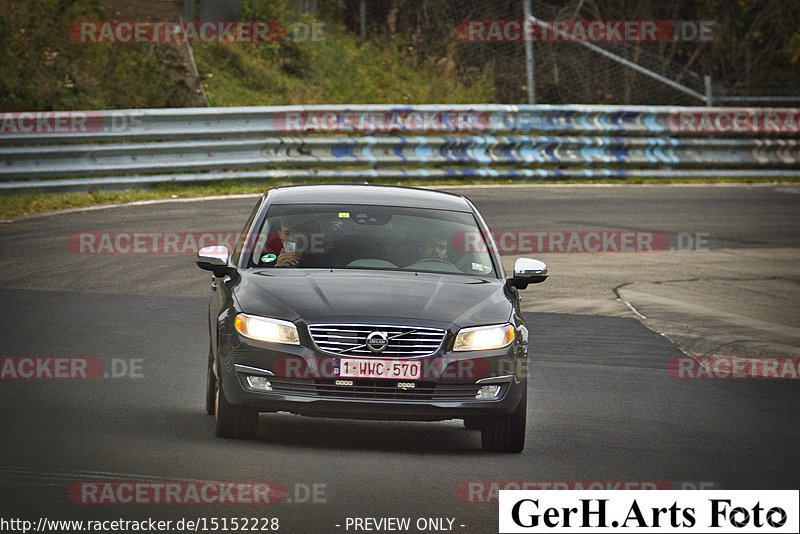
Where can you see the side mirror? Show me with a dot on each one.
(528, 271)
(215, 259)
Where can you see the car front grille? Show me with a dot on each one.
(351, 340)
(369, 389)
(374, 389)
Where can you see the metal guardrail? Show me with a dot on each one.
(138, 147)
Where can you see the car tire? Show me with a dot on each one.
(506, 433)
(211, 389)
(474, 423)
(233, 421)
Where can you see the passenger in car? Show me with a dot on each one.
(281, 248)
(289, 255)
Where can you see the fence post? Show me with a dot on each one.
(529, 62)
(362, 16)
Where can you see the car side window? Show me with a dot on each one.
(240, 245)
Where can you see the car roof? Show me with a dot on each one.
(373, 195)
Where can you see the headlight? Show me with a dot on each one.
(266, 329)
(484, 337)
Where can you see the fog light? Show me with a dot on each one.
(488, 392)
(259, 383)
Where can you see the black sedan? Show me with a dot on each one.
(362, 301)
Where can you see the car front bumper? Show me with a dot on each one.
(302, 380)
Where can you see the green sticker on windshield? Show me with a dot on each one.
(268, 258)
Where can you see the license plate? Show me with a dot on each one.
(374, 368)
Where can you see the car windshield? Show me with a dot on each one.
(371, 237)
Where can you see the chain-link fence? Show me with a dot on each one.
(613, 71)
(672, 67)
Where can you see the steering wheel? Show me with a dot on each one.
(435, 260)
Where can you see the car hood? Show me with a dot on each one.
(316, 295)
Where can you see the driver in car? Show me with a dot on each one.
(434, 247)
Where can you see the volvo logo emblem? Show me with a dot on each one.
(377, 341)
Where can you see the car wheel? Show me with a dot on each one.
(233, 421)
(474, 423)
(211, 389)
(506, 433)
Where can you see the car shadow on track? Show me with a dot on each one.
(442, 437)
(194, 427)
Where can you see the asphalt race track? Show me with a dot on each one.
(602, 406)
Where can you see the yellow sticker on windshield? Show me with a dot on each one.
(344, 215)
